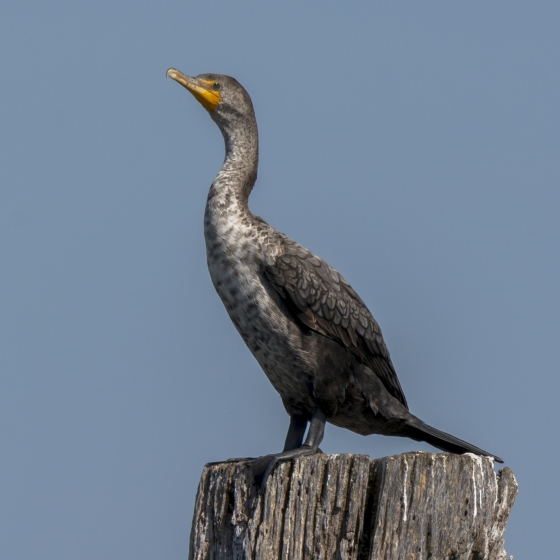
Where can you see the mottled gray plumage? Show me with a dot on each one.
(313, 336)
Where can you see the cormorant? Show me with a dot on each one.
(311, 333)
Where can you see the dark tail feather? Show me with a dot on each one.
(419, 431)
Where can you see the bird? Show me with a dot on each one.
(310, 332)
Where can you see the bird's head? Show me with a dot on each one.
(225, 99)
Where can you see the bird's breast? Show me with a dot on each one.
(234, 255)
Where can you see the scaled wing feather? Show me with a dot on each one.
(322, 300)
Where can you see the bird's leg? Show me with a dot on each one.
(294, 437)
(296, 431)
(310, 446)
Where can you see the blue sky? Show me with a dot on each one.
(413, 145)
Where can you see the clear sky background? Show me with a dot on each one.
(413, 145)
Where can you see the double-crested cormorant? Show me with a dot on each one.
(311, 333)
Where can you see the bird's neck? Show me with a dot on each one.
(238, 174)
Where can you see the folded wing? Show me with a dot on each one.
(319, 297)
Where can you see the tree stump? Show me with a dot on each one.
(409, 507)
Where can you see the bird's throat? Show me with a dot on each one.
(228, 222)
(238, 174)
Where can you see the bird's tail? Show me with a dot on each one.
(417, 430)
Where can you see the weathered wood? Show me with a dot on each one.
(413, 506)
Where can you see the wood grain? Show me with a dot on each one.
(413, 506)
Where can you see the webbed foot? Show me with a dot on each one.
(262, 467)
(235, 460)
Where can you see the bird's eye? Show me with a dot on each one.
(216, 86)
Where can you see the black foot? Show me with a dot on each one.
(262, 467)
(237, 460)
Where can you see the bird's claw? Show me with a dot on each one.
(235, 460)
(263, 467)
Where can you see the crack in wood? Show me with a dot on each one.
(415, 506)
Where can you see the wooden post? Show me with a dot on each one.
(413, 506)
